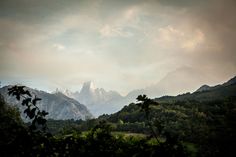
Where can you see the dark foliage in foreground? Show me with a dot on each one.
(20, 140)
(172, 127)
(32, 111)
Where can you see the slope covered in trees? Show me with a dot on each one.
(33, 140)
(199, 124)
(205, 119)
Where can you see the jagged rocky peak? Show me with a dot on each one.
(98, 100)
(68, 93)
(57, 104)
(88, 86)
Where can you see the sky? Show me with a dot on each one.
(120, 45)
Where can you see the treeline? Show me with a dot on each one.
(35, 139)
(209, 126)
(171, 128)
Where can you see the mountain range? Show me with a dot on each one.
(58, 105)
(99, 101)
(179, 107)
(206, 93)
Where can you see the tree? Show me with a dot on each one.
(32, 111)
(144, 104)
(171, 146)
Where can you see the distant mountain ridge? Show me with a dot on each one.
(98, 100)
(206, 93)
(217, 93)
(232, 81)
(203, 88)
(57, 104)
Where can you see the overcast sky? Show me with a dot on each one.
(120, 45)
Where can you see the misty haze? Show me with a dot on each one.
(118, 78)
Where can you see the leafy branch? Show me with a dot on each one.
(144, 104)
(32, 111)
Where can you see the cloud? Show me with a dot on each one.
(176, 38)
(196, 39)
(170, 34)
(122, 24)
(109, 31)
(121, 44)
(216, 20)
(59, 47)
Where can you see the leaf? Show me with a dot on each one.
(32, 113)
(26, 111)
(20, 89)
(18, 97)
(12, 89)
(26, 101)
(28, 93)
(35, 100)
(44, 113)
(142, 98)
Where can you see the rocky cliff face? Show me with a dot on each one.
(98, 100)
(58, 105)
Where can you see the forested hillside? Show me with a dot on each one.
(35, 139)
(206, 119)
(199, 124)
